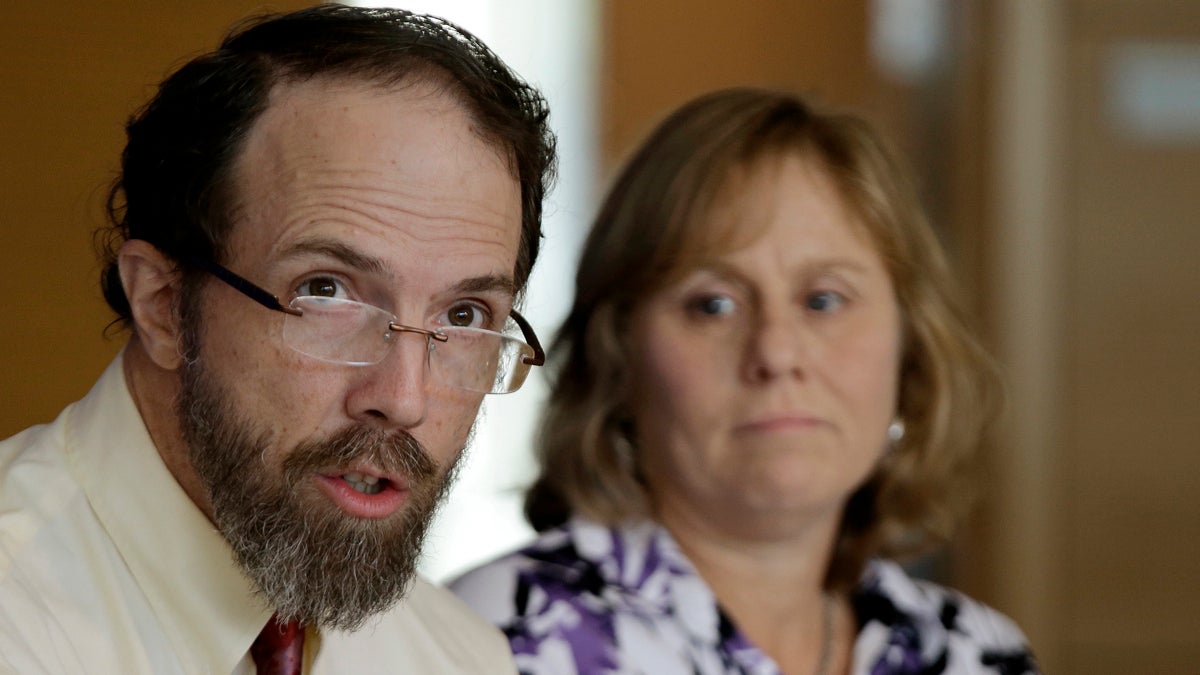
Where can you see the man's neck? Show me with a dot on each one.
(155, 391)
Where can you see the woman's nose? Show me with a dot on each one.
(777, 346)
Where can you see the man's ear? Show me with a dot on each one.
(152, 285)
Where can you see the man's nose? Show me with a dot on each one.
(394, 393)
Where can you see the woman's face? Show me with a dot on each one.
(764, 381)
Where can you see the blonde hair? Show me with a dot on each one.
(645, 236)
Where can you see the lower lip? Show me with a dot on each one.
(379, 505)
(781, 424)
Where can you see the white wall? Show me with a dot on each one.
(553, 45)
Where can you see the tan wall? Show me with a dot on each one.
(1131, 431)
(656, 55)
(72, 73)
(1095, 521)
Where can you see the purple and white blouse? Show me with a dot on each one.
(589, 599)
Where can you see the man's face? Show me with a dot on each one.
(324, 475)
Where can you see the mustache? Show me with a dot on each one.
(395, 452)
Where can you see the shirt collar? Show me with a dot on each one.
(181, 562)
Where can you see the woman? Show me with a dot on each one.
(765, 388)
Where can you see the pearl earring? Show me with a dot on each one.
(895, 431)
(623, 447)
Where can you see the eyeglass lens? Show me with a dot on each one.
(344, 331)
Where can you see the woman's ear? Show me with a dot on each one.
(152, 284)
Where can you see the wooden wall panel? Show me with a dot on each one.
(1096, 523)
(72, 73)
(656, 55)
(1131, 472)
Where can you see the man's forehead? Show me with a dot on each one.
(334, 96)
(328, 91)
(292, 105)
(323, 115)
(395, 164)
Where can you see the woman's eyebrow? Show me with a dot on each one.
(814, 265)
(340, 251)
(839, 265)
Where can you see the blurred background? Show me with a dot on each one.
(1057, 147)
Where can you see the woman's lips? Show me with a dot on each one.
(780, 423)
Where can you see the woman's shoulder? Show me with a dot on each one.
(494, 588)
(579, 553)
(558, 600)
(901, 617)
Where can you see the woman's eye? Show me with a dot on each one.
(467, 316)
(824, 301)
(322, 287)
(714, 305)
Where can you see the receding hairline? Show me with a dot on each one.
(430, 81)
(423, 78)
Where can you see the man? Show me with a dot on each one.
(320, 231)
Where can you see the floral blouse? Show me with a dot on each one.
(587, 599)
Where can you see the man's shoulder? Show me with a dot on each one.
(43, 562)
(42, 500)
(37, 449)
(36, 486)
(37, 474)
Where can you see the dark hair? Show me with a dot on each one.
(653, 226)
(175, 189)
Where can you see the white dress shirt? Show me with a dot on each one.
(106, 566)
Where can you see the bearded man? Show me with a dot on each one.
(319, 234)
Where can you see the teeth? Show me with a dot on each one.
(366, 484)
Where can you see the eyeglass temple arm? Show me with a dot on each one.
(539, 355)
(269, 301)
(244, 286)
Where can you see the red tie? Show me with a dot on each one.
(279, 648)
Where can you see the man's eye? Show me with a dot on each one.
(468, 316)
(825, 301)
(322, 287)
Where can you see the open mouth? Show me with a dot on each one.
(364, 495)
(365, 483)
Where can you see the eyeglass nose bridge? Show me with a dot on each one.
(394, 327)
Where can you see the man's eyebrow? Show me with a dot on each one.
(487, 284)
(349, 256)
(361, 261)
(358, 260)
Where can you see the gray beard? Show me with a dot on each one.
(311, 562)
